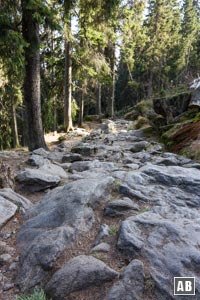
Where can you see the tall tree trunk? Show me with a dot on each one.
(32, 100)
(68, 88)
(68, 69)
(98, 103)
(111, 99)
(52, 85)
(14, 126)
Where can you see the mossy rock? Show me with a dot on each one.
(149, 132)
(192, 114)
(192, 152)
(141, 122)
(158, 122)
(144, 106)
(93, 118)
(131, 115)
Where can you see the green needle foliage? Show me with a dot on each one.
(121, 52)
(37, 295)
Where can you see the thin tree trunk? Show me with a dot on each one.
(24, 127)
(110, 107)
(52, 85)
(98, 106)
(32, 100)
(150, 85)
(54, 116)
(14, 126)
(68, 88)
(81, 106)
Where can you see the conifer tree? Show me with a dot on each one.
(30, 26)
(190, 34)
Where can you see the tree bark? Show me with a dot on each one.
(52, 85)
(68, 69)
(68, 88)
(14, 126)
(150, 85)
(81, 106)
(32, 99)
(111, 58)
(98, 105)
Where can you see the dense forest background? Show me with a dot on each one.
(61, 61)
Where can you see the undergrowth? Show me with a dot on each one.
(37, 295)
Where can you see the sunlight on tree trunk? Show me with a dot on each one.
(32, 78)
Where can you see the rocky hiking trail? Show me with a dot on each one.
(113, 217)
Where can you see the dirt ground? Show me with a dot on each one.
(15, 160)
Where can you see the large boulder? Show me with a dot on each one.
(139, 146)
(36, 180)
(36, 160)
(54, 170)
(166, 236)
(85, 149)
(108, 126)
(77, 274)
(195, 99)
(132, 284)
(54, 223)
(173, 106)
(162, 184)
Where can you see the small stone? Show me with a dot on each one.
(5, 258)
(3, 279)
(41, 151)
(8, 286)
(13, 266)
(72, 157)
(139, 146)
(103, 232)
(7, 210)
(102, 247)
(120, 207)
(4, 248)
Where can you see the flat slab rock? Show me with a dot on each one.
(36, 180)
(54, 223)
(71, 157)
(163, 184)
(36, 160)
(167, 237)
(85, 149)
(120, 207)
(54, 170)
(169, 241)
(7, 210)
(20, 201)
(77, 274)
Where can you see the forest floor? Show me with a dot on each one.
(16, 160)
(118, 158)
